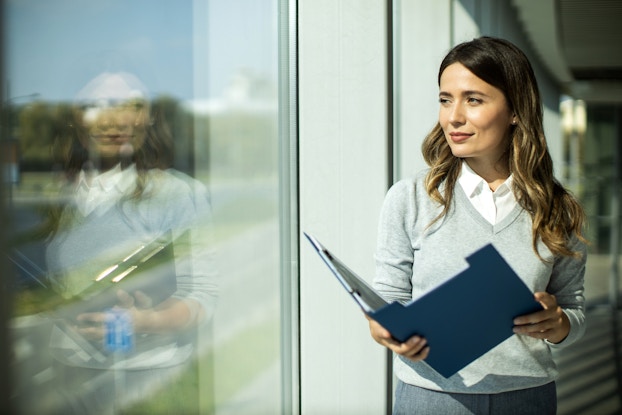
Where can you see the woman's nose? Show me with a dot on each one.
(456, 114)
(113, 126)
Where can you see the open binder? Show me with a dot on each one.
(149, 268)
(461, 319)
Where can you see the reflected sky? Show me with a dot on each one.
(55, 46)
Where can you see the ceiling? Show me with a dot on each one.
(580, 42)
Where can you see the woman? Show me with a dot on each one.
(120, 196)
(490, 181)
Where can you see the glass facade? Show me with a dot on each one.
(155, 143)
(147, 196)
(594, 156)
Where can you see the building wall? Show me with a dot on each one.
(343, 176)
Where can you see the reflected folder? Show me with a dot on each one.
(461, 319)
(150, 268)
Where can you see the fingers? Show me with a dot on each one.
(91, 325)
(125, 300)
(538, 331)
(415, 348)
(91, 318)
(548, 302)
(138, 300)
(143, 300)
(551, 323)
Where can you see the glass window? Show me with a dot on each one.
(143, 180)
(593, 157)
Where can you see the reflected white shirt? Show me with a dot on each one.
(104, 190)
(493, 206)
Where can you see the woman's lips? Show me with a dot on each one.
(112, 138)
(459, 137)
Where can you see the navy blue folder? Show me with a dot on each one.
(461, 319)
(150, 268)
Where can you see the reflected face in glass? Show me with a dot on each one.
(474, 115)
(116, 131)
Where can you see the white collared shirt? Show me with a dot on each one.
(103, 190)
(494, 206)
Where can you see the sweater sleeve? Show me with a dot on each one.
(394, 252)
(187, 213)
(567, 285)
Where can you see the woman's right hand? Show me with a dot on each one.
(414, 348)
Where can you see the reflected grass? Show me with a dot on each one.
(239, 215)
(212, 389)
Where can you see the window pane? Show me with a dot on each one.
(594, 157)
(140, 154)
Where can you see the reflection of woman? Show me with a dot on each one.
(490, 181)
(121, 196)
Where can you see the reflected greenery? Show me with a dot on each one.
(234, 143)
(182, 392)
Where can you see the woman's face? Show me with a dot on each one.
(116, 131)
(474, 115)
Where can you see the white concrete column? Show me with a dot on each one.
(343, 163)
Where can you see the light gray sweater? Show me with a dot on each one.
(85, 245)
(411, 259)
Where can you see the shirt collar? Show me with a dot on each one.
(473, 184)
(116, 178)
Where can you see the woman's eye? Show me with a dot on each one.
(472, 100)
(443, 100)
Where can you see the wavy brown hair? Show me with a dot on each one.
(556, 215)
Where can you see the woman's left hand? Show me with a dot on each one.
(170, 316)
(550, 324)
(93, 325)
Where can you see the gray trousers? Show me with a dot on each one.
(414, 400)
